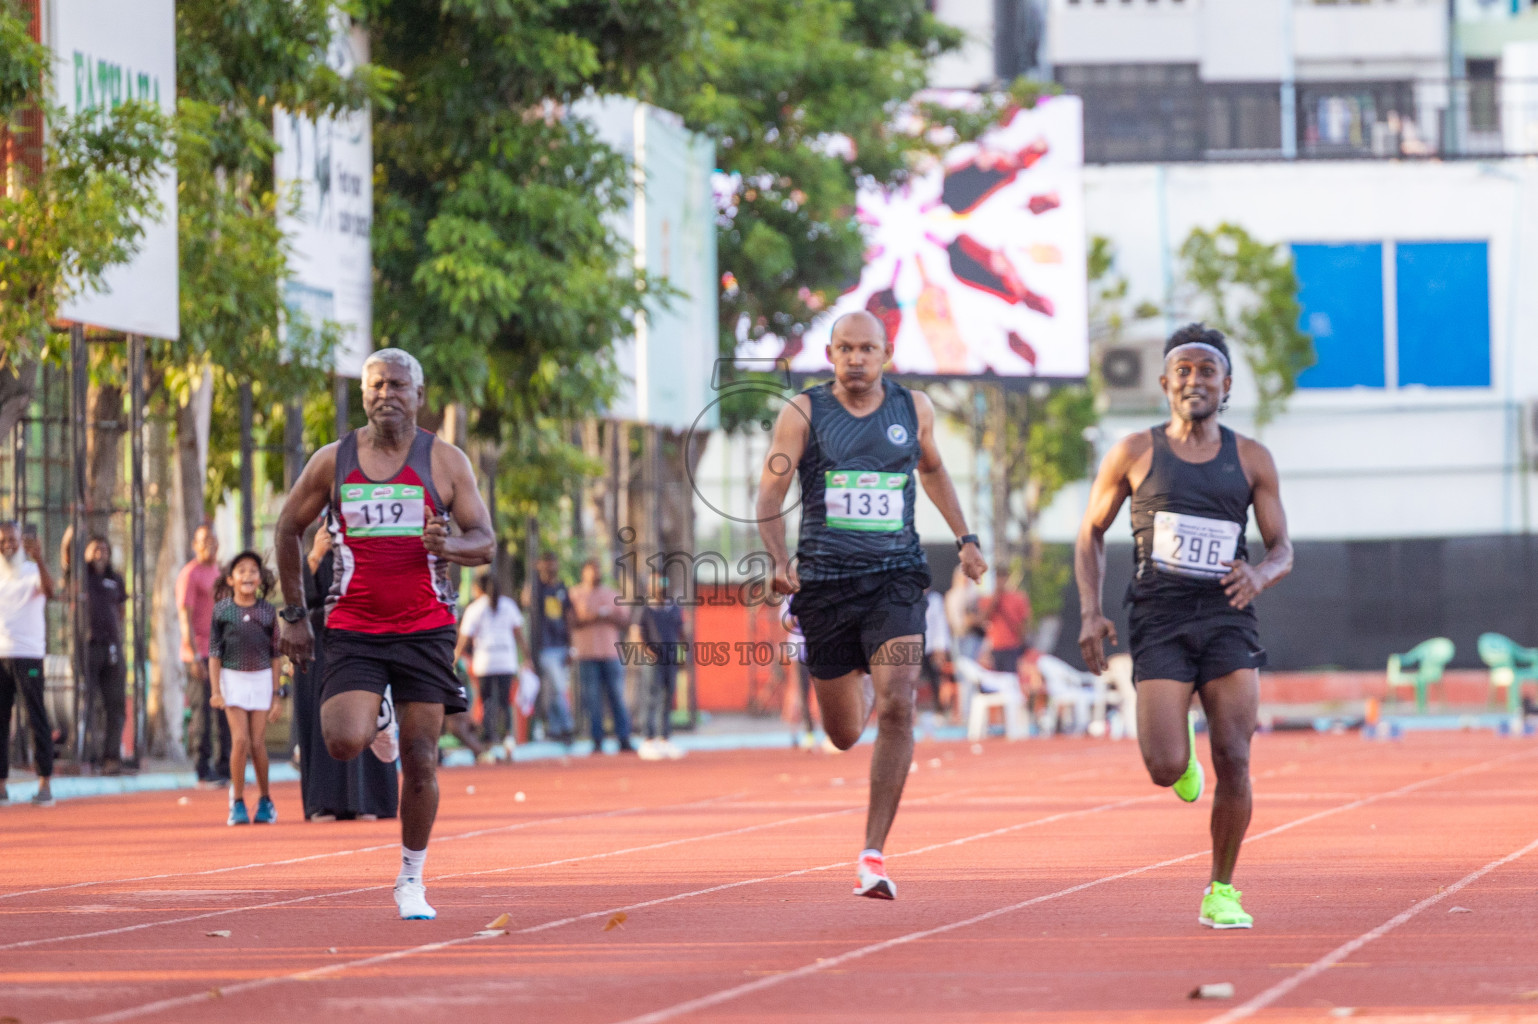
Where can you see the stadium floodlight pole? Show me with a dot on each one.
(78, 381)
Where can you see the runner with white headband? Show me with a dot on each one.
(1192, 483)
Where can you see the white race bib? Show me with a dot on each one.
(868, 502)
(1194, 546)
(384, 510)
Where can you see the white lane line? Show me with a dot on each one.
(769, 981)
(475, 834)
(313, 973)
(1340, 953)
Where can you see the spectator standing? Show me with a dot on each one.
(366, 787)
(106, 670)
(195, 612)
(549, 605)
(662, 630)
(243, 664)
(598, 621)
(1008, 615)
(25, 587)
(494, 626)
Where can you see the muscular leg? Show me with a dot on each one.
(846, 704)
(1230, 702)
(1162, 706)
(348, 721)
(421, 724)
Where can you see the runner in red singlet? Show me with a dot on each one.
(390, 491)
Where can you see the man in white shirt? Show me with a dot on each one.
(25, 587)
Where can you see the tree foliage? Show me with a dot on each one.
(496, 256)
(1248, 290)
(62, 229)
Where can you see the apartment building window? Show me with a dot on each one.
(1244, 117)
(1395, 314)
(1138, 111)
(1484, 107)
(1360, 119)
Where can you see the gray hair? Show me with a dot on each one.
(399, 357)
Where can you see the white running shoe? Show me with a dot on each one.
(386, 745)
(673, 750)
(873, 879)
(411, 898)
(651, 750)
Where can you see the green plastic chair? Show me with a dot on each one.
(1511, 665)
(1420, 666)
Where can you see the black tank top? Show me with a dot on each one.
(857, 488)
(1188, 518)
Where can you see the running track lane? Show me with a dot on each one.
(1397, 821)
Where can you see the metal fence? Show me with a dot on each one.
(1142, 113)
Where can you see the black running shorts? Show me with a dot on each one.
(845, 621)
(1192, 640)
(417, 667)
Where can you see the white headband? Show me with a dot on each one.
(1201, 344)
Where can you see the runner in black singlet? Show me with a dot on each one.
(1192, 483)
(859, 576)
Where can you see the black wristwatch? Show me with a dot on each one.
(293, 613)
(967, 538)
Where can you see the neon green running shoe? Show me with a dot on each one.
(1221, 909)
(1190, 785)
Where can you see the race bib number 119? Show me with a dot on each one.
(1193, 545)
(383, 510)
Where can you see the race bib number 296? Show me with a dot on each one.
(384, 510)
(1194, 545)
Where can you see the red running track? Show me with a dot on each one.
(1039, 881)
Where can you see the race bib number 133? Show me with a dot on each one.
(1193, 545)
(869, 502)
(383, 510)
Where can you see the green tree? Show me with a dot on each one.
(62, 228)
(496, 256)
(1248, 290)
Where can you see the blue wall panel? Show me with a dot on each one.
(1341, 290)
(1444, 313)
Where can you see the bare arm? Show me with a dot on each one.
(34, 551)
(1109, 491)
(523, 646)
(1244, 582)
(310, 494)
(941, 490)
(215, 695)
(791, 430)
(475, 544)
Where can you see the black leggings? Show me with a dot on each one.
(496, 703)
(26, 676)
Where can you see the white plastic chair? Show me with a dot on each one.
(982, 690)
(1068, 689)
(1114, 689)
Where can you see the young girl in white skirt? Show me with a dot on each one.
(243, 665)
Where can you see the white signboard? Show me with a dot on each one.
(105, 53)
(667, 364)
(327, 167)
(976, 266)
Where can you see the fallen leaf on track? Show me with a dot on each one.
(1460, 910)
(10, 1020)
(486, 933)
(216, 993)
(501, 921)
(1219, 990)
(615, 921)
(223, 934)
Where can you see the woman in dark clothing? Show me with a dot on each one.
(331, 788)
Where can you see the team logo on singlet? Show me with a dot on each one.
(897, 434)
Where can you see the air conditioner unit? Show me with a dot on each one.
(1130, 372)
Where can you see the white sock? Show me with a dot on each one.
(870, 853)
(411, 864)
